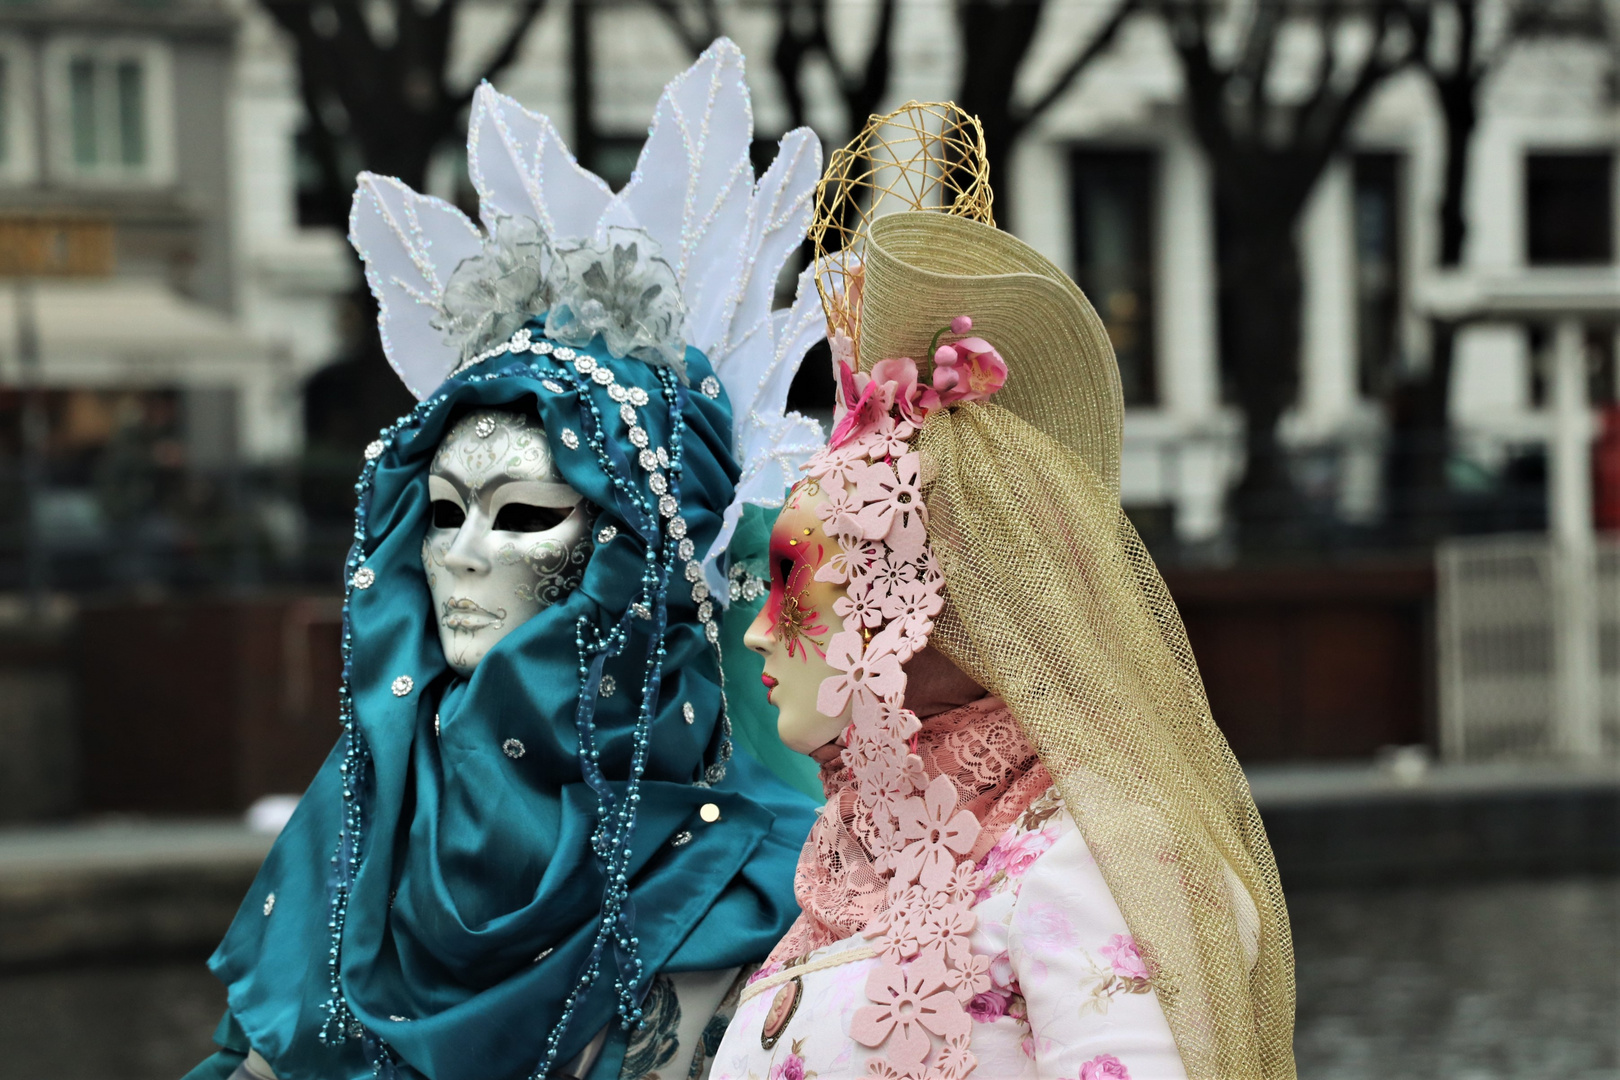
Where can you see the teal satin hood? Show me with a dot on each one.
(487, 871)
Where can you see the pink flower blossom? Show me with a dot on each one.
(978, 372)
(961, 324)
(1126, 958)
(790, 1069)
(1046, 928)
(988, 1007)
(871, 400)
(1104, 1067)
(861, 669)
(936, 834)
(1002, 975)
(765, 971)
(1015, 855)
(909, 1002)
(912, 397)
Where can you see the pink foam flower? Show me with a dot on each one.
(899, 723)
(936, 832)
(888, 574)
(913, 603)
(840, 514)
(833, 465)
(853, 563)
(971, 976)
(842, 347)
(890, 439)
(903, 640)
(954, 1059)
(909, 1003)
(966, 881)
(862, 670)
(894, 508)
(858, 610)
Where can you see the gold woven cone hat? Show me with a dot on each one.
(905, 242)
(922, 268)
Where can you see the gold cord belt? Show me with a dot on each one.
(832, 960)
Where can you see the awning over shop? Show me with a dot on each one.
(139, 334)
(126, 331)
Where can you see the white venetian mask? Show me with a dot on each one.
(508, 537)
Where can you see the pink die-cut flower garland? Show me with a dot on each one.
(917, 834)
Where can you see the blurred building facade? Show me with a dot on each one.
(118, 117)
(1112, 186)
(177, 127)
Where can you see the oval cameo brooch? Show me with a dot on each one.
(780, 1014)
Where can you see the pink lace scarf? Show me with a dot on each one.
(997, 775)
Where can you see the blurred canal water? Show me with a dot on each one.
(1498, 981)
(1516, 980)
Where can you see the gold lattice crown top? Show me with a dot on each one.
(922, 156)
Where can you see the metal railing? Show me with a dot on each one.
(1529, 668)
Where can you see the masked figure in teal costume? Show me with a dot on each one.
(554, 835)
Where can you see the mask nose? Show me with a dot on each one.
(758, 635)
(466, 554)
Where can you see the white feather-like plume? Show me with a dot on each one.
(727, 237)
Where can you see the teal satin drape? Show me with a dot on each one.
(476, 893)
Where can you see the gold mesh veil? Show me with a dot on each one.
(1052, 602)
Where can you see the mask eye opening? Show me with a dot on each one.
(527, 518)
(447, 515)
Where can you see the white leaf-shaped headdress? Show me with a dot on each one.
(724, 237)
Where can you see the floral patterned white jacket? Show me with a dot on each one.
(1070, 997)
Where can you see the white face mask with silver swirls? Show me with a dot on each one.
(507, 536)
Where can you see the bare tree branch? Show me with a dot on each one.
(1100, 43)
(503, 56)
(693, 38)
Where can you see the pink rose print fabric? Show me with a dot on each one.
(1060, 990)
(1104, 1067)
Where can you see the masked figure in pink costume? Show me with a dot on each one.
(1038, 858)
